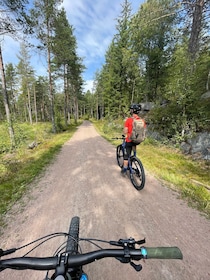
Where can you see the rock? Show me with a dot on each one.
(198, 146)
(33, 145)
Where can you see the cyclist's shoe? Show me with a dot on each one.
(123, 172)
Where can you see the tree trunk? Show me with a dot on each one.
(65, 84)
(35, 105)
(196, 28)
(51, 91)
(6, 102)
(29, 105)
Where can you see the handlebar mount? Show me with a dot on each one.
(128, 244)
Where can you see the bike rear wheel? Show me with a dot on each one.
(137, 174)
(119, 155)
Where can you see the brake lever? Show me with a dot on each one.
(137, 267)
(142, 241)
(123, 242)
(130, 242)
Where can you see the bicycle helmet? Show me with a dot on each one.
(136, 108)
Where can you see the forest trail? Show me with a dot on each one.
(84, 180)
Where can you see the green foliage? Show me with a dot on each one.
(24, 134)
(5, 143)
(153, 40)
(184, 112)
(170, 122)
(112, 128)
(148, 60)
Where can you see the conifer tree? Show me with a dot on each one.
(68, 63)
(25, 72)
(44, 14)
(120, 72)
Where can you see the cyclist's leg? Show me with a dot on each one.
(127, 153)
(134, 149)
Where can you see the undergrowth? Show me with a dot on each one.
(20, 166)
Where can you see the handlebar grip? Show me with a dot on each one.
(164, 253)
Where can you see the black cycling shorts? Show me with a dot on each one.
(128, 149)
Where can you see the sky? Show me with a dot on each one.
(94, 24)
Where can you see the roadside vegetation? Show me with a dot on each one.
(20, 166)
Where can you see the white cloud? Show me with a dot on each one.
(94, 24)
(88, 86)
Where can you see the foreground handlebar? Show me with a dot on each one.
(78, 260)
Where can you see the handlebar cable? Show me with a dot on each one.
(91, 240)
(46, 237)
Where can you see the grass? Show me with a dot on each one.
(19, 167)
(178, 171)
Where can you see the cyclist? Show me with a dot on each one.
(127, 130)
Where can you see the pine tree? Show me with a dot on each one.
(44, 15)
(152, 29)
(25, 72)
(68, 63)
(119, 76)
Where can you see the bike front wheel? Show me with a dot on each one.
(73, 236)
(72, 248)
(119, 155)
(137, 174)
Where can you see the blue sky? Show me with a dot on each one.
(94, 25)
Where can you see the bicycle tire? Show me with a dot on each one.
(73, 236)
(137, 175)
(119, 155)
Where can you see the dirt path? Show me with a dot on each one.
(84, 180)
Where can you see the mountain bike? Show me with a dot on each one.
(135, 166)
(68, 261)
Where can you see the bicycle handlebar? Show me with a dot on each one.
(119, 138)
(78, 260)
